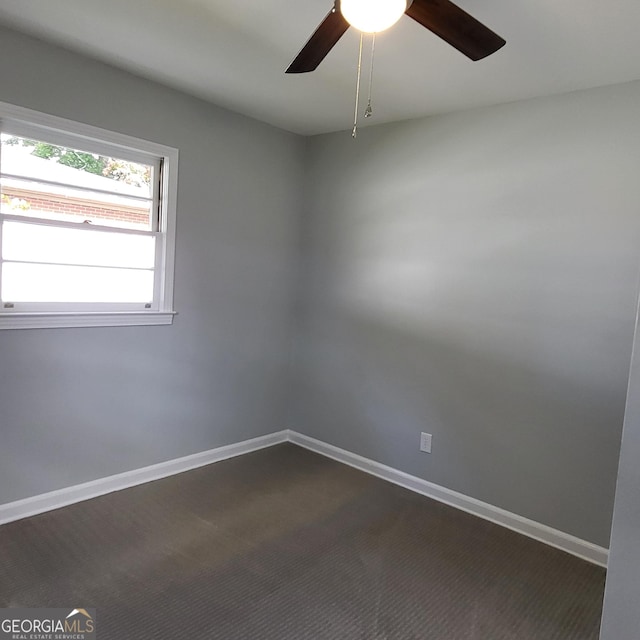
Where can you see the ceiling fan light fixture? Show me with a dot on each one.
(372, 16)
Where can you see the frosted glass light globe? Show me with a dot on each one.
(372, 16)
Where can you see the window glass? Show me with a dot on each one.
(28, 242)
(28, 282)
(46, 181)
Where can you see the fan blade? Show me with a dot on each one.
(456, 27)
(331, 29)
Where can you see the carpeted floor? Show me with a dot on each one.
(283, 544)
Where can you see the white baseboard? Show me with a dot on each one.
(70, 495)
(63, 497)
(575, 546)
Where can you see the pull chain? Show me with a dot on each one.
(369, 111)
(354, 133)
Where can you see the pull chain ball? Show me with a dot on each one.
(372, 16)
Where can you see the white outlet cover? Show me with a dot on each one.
(425, 442)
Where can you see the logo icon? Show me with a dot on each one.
(77, 611)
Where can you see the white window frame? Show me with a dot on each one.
(63, 132)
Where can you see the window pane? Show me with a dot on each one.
(41, 243)
(29, 167)
(52, 202)
(56, 283)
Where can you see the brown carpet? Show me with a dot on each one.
(283, 544)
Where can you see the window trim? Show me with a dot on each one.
(70, 133)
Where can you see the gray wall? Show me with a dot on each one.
(79, 404)
(474, 276)
(621, 616)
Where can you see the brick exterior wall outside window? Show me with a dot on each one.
(86, 209)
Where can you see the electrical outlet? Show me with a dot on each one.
(425, 442)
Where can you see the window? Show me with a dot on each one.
(87, 225)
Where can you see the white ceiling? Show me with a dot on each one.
(234, 53)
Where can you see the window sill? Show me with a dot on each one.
(95, 319)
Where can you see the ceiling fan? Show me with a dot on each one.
(442, 17)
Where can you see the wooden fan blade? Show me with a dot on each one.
(331, 29)
(456, 27)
